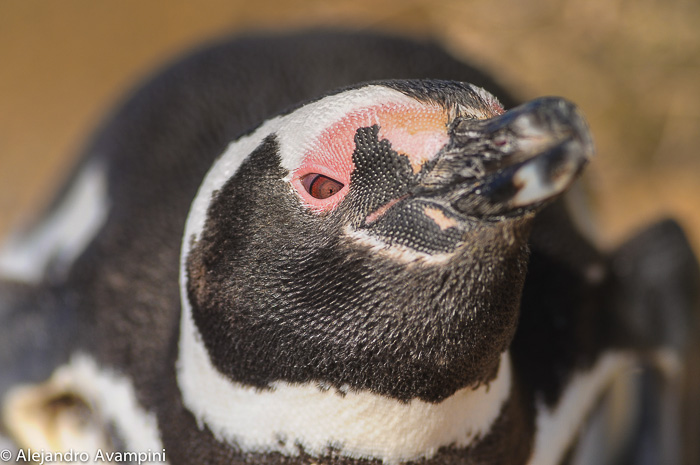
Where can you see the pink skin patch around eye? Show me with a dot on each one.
(419, 132)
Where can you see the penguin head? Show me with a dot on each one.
(372, 240)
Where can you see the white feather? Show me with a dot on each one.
(63, 235)
(558, 427)
(358, 424)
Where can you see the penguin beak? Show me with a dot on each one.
(512, 163)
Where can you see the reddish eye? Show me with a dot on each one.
(320, 186)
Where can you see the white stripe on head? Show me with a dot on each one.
(558, 428)
(64, 234)
(302, 128)
(296, 132)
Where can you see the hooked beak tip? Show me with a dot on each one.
(549, 144)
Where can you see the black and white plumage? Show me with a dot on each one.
(251, 265)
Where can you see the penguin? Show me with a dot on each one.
(336, 248)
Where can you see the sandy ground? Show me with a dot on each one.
(632, 66)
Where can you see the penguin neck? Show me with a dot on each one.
(294, 418)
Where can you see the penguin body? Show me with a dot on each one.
(277, 252)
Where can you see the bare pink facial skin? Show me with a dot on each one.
(417, 131)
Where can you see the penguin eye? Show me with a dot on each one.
(320, 186)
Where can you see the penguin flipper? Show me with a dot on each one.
(35, 327)
(37, 410)
(659, 287)
(658, 301)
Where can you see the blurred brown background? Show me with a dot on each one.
(633, 67)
